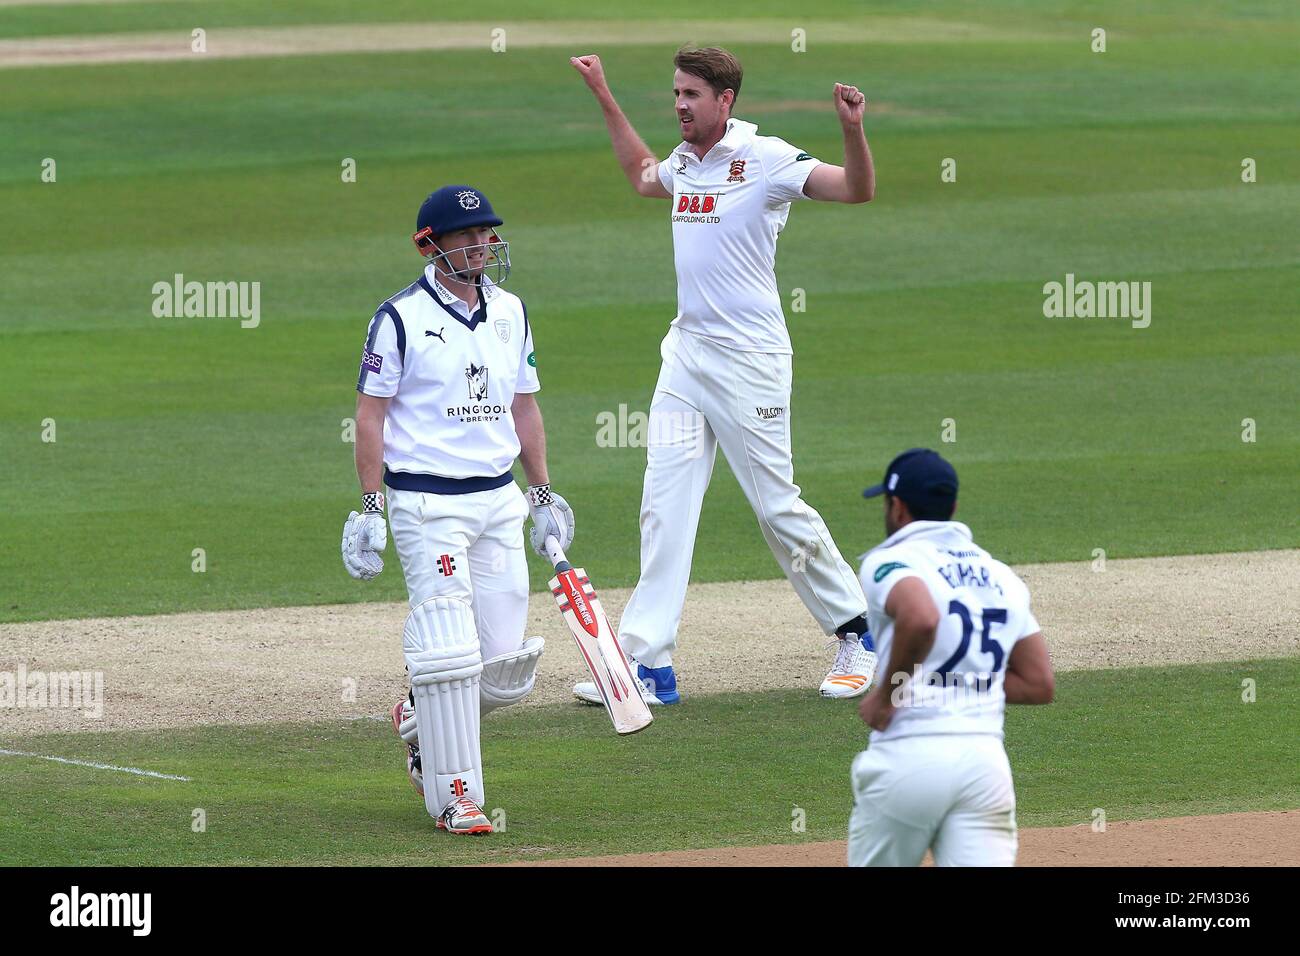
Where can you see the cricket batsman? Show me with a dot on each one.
(446, 403)
(726, 375)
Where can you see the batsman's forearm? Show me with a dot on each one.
(532, 439)
(370, 455)
(630, 150)
(859, 170)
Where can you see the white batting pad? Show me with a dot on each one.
(508, 678)
(442, 654)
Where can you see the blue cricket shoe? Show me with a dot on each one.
(658, 686)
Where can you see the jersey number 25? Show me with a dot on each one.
(991, 616)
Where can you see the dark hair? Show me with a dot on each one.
(930, 512)
(714, 65)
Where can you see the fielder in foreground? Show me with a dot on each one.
(445, 406)
(954, 626)
(726, 374)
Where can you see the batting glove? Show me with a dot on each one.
(552, 518)
(364, 536)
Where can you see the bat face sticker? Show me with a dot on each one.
(477, 376)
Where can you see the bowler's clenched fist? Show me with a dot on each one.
(591, 70)
(850, 103)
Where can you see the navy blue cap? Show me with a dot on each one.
(922, 478)
(455, 207)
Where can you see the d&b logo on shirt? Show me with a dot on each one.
(696, 202)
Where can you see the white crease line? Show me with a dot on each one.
(98, 766)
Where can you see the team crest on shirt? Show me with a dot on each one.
(737, 171)
(477, 376)
(503, 329)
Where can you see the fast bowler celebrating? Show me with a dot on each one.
(726, 374)
(960, 642)
(445, 406)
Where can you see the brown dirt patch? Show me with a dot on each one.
(1229, 839)
(345, 661)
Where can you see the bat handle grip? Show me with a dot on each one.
(556, 553)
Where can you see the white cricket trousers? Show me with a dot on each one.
(948, 793)
(709, 396)
(469, 547)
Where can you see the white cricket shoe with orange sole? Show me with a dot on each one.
(464, 816)
(854, 668)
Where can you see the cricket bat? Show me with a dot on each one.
(599, 645)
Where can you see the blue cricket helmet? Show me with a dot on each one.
(455, 207)
(452, 208)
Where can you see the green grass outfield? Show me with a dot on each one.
(717, 771)
(175, 434)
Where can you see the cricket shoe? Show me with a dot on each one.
(854, 668)
(404, 724)
(658, 686)
(464, 816)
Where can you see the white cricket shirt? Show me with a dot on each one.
(452, 377)
(983, 611)
(728, 209)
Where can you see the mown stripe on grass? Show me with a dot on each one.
(314, 39)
